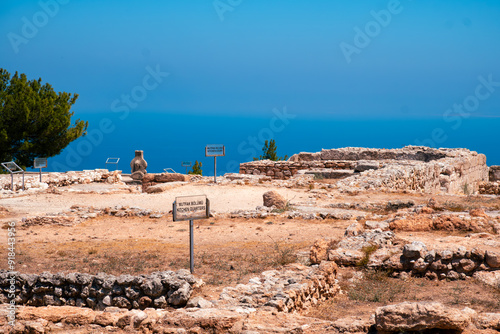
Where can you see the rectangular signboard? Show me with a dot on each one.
(12, 167)
(112, 160)
(215, 151)
(191, 207)
(186, 164)
(40, 163)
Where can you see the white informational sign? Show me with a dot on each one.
(40, 163)
(215, 151)
(191, 207)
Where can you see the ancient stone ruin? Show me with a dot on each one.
(138, 166)
(159, 290)
(412, 168)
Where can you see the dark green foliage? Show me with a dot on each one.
(269, 152)
(196, 169)
(35, 121)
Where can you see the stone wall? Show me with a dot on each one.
(381, 250)
(413, 168)
(494, 173)
(157, 290)
(32, 180)
(149, 181)
(449, 264)
(489, 188)
(294, 288)
(283, 170)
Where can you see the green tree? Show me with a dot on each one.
(35, 121)
(269, 152)
(196, 169)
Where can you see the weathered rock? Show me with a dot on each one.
(414, 250)
(353, 325)
(152, 287)
(399, 204)
(345, 257)
(199, 302)
(490, 278)
(372, 225)
(180, 296)
(353, 230)
(419, 317)
(159, 188)
(488, 320)
(272, 198)
(318, 251)
(365, 165)
(492, 259)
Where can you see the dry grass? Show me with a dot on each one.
(376, 289)
(218, 266)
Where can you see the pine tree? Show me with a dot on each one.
(269, 152)
(35, 121)
(196, 169)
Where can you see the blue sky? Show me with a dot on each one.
(242, 57)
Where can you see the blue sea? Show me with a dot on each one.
(168, 139)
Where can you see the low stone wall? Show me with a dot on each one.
(489, 188)
(294, 288)
(99, 291)
(450, 264)
(151, 180)
(283, 170)
(494, 173)
(380, 249)
(32, 180)
(415, 153)
(412, 168)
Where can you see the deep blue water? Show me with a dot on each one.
(168, 139)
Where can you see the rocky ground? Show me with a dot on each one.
(407, 261)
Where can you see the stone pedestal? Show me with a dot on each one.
(138, 166)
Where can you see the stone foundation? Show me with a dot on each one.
(494, 173)
(489, 188)
(32, 180)
(444, 264)
(158, 290)
(151, 180)
(412, 168)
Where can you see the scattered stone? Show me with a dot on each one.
(492, 259)
(199, 302)
(414, 250)
(353, 230)
(272, 198)
(372, 225)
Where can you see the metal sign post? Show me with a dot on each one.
(40, 163)
(191, 208)
(215, 151)
(186, 164)
(13, 168)
(113, 161)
